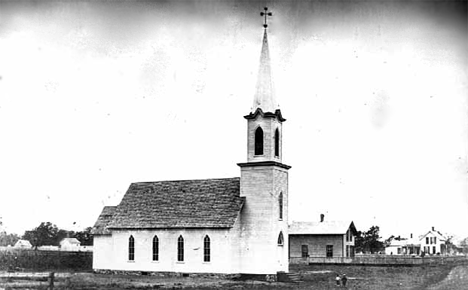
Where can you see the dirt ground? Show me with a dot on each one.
(313, 277)
(456, 279)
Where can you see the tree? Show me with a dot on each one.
(46, 234)
(464, 245)
(369, 241)
(85, 237)
(8, 239)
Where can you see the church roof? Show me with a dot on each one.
(264, 98)
(100, 227)
(321, 228)
(204, 203)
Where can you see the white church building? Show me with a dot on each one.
(231, 225)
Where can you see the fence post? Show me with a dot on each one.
(51, 281)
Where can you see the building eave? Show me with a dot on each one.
(264, 163)
(259, 111)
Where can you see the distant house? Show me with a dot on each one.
(404, 246)
(23, 244)
(431, 243)
(70, 244)
(324, 239)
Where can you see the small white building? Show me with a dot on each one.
(23, 244)
(404, 246)
(70, 244)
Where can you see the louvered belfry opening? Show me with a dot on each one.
(259, 141)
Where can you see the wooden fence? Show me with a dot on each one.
(25, 259)
(382, 260)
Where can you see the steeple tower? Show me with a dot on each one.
(265, 119)
(264, 179)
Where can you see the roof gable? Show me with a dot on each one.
(321, 228)
(73, 241)
(204, 203)
(100, 227)
(434, 234)
(23, 243)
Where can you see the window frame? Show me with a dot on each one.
(280, 239)
(305, 254)
(131, 248)
(155, 255)
(277, 137)
(280, 205)
(259, 141)
(329, 251)
(206, 249)
(180, 249)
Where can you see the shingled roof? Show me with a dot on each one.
(321, 228)
(204, 203)
(100, 227)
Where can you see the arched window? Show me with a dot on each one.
(277, 142)
(280, 205)
(206, 249)
(259, 141)
(280, 239)
(131, 249)
(180, 249)
(155, 248)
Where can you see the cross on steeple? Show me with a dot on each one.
(266, 13)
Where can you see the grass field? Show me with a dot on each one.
(313, 277)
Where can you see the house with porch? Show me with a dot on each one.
(432, 242)
(404, 246)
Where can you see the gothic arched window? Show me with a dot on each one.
(277, 142)
(259, 141)
(280, 205)
(131, 249)
(280, 239)
(180, 249)
(206, 249)
(155, 248)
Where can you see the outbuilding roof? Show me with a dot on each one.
(204, 203)
(321, 228)
(73, 241)
(23, 244)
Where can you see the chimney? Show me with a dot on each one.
(411, 235)
(433, 229)
(322, 217)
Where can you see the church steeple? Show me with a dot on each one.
(264, 180)
(264, 121)
(264, 95)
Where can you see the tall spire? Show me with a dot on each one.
(264, 95)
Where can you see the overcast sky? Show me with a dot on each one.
(94, 96)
